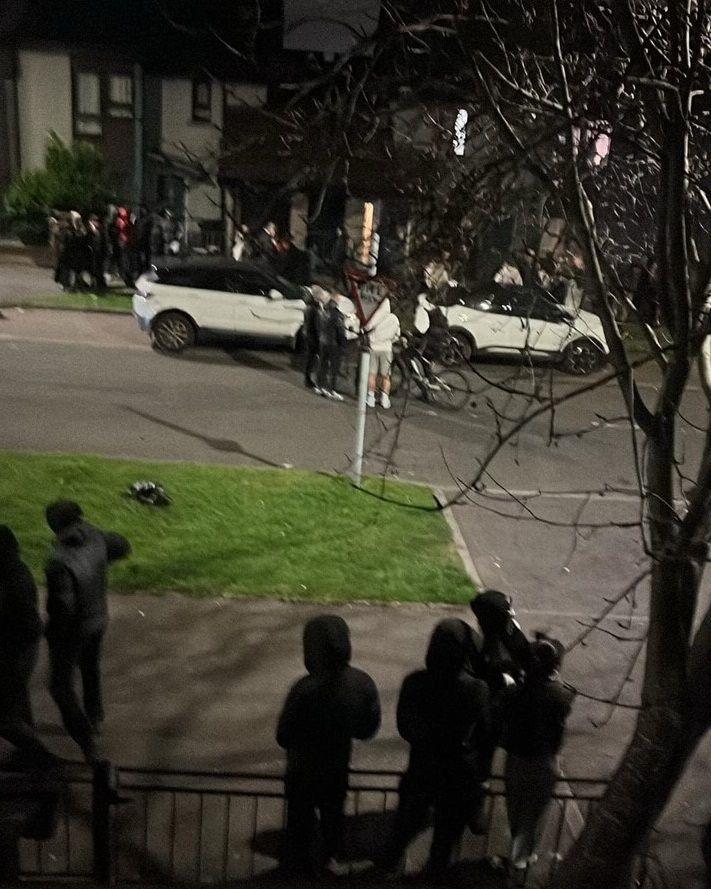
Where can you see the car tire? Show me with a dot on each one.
(173, 332)
(465, 341)
(582, 357)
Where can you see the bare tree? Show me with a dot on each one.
(595, 113)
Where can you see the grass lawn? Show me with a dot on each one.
(243, 532)
(111, 301)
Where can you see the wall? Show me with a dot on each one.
(44, 102)
(199, 139)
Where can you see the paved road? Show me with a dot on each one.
(80, 382)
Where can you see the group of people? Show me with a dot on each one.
(477, 691)
(88, 250)
(277, 252)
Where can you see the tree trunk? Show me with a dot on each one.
(665, 736)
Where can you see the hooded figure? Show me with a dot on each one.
(535, 721)
(324, 711)
(20, 634)
(78, 614)
(443, 714)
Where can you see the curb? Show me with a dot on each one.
(458, 538)
(26, 307)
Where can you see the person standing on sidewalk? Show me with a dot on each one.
(77, 613)
(443, 714)
(323, 712)
(20, 634)
(383, 330)
(535, 723)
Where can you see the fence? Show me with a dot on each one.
(198, 828)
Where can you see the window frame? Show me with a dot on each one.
(116, 108)
(86, 124)
(202, 112)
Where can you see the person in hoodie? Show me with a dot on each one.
(383, 330)
(536, 713)
(77, 614)
(332, 339)
(443, 714)
(323, 712)
(20, 634)
(311, 339)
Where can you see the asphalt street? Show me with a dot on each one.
(82, 382)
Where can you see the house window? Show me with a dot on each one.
(87, 104)
(202, 101)
(120, 96)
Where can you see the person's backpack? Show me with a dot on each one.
(149, 493)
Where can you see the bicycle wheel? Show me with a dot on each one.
(450, 389)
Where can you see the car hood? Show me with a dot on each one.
(589, 324)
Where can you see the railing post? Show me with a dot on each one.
(103, 795)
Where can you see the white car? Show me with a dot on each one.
(521, 320)
(176, 303)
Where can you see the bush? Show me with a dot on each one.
(74, 178)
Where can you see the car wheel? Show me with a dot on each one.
(582, 357)
(173, 332)
(465, 343)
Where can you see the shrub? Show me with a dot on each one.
(73, 178)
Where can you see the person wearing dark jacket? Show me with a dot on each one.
(535, 722)
(443, 714)
(310, 340)
(96, 252)
(332, 341)
(324, 711)
(77, 612)
(20, 634)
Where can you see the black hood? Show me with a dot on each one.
(9, 547)
(493, 611)
(327, 644)
(74, 535)
(449, 647)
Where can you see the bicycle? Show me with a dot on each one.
(445, 387)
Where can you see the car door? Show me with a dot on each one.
(494, 318)
(202, 293)
(555, 326)
(260, 314)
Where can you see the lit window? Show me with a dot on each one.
(121, 96)
(366, 239)
(202, 101)
(460, 132)
(87, 117)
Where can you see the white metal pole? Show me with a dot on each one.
(360, 423)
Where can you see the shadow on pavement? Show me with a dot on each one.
(225, 445)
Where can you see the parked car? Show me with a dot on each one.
(176, 303)
(506, 319)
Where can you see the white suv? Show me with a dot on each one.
(175, 303)
(526, 320)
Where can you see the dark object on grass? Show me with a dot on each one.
(150, 493)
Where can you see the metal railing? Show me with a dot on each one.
(128, 826)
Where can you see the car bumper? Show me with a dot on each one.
(143, 312)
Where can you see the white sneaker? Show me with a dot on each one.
(385, 401)
(317, 390)
(370, 400)
(336, 396)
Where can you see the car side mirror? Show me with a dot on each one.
(275, 294)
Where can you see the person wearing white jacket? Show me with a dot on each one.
(383, 330)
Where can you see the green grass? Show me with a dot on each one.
(243, 532)
(86, 302)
